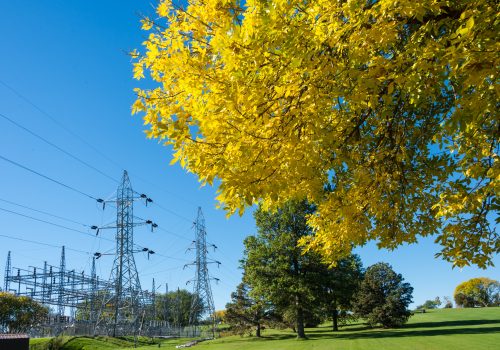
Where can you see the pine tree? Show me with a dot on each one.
(244, 313)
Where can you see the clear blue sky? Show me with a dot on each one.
(68, 59)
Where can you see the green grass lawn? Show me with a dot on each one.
(453, 329)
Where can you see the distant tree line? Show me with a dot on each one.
(286, 286)
(175, 307)
(476, 292)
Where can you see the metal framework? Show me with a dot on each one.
(117, 306)
(55, 286)
(122, 309)
(202, 305)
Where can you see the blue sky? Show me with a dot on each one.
(73, 85)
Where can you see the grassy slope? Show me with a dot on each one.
(453, 329)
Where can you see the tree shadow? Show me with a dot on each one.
(410, 330)
(451, 323)
(423, 333)
(281, 336)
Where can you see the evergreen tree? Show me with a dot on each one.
(339, 285)
(244, 313)
(277, 269)
(383, 297)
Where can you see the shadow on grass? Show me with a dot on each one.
(451, 323)
(409, 333)
(411, 330)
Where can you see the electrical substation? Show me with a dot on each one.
(83, 303)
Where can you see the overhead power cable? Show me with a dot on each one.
(49, 178)
(47, 222)
(165, 270)
(57, 147)
(174, 234)
(88, 144)
(109, 159)
(22, 97)
(173, 213)
(42, 243)
(72, 229)
(171, 257)
(44, 212)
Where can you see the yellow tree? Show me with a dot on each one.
(381, 113)
(480, 291)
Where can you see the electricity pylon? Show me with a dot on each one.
(7, 273)
(62, 272)
(120, 310)
(202, 305)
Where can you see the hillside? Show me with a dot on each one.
(455, 329)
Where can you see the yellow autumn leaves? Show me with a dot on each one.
(383, 113)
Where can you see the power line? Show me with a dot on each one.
(165, 270)
(79, 160)
(174, 234)
(24, 98)
(53, 224)
(49, 178)
(69, 228)
(46, 222)
(163, 189)
(57, 147)
(54, 120)
(41, 243)
(88, 144)
(173, 213)
(78, 191)
(44, 212)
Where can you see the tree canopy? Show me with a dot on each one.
(480, 291)
(430, 304)
(20, 313)
(277, 270)
(381, 113)
(244, 313)
(338, 286)
(383, 297)
(175, 307)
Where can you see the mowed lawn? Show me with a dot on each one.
(453, 329)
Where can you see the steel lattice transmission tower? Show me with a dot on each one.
(7, 273)
(202, 304)
(62, 275)
(121, 306)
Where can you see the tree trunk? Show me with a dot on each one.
(257, 331)
(300, 319)
(335, 317)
